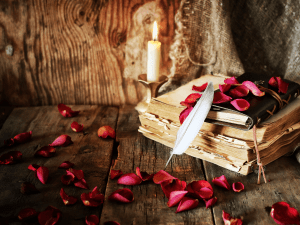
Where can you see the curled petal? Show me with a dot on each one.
(46, 151)
(81, 184)
(231, 80)
(33, 167)
(11, 157)
(175, 197)
(124, 195)
(50, 216)
(253, 88)
(237, 187)
(186, 204)
(129, 179)
(220, 97)
(143, 175)
(96, 195)
(283, 214)
(42, 174)
(210, 202)
(201, 189)
(240, 104)
(9, 142)
(23, 137)
(175, 185)
(76, 127)
(184, 114)
(92, 220)
(273, 82)
(28, 188)
(162, 176)
(93, 199)
(111, 223)
(27, 213)
(68, 200)
(115, 174)
(66, 165)
(224, 87)
(200, 88)
(239, 91)
(282, 85)
(228, 220)
(66, 111)
(192, 98)
(222, 182)
(106, 131)
(62, 140)
(67, 179)
(77, 173)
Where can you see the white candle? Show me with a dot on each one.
(153, 60)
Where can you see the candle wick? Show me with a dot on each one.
(155, 39)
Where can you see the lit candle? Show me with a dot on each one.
(153, 60)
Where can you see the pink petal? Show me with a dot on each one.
(222, 182)
(92, 202)
(77, 173)
(237, 187)
(176, 197)
(111, 223)
(283, 214)
(220, 97)
(162, 176)
(143, 175)
(200, 189)
(66, 111)
(11, 157)
(224, 87)
(92, 220)
(253, 88)
(124, 195)
(282, 85)
(46, 151)
(175, 185)
(273, 82)
(9, 142)
(106, 131)
(96, 195)
(184, 114)
(50, 216)
(76, 127)
(23, 137)
(240, 104)
(115, 174)
(68, 200)
(62, 140)
(129, 179)
(228, 220)
(186, 204)
(27, 213)
(210, 202)
(239, 91)
(42, 174)
(33, 167)
(66, 165)
(200, 88)
(81, 184)
(231, 80)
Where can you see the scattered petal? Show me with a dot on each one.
(282, 85)
(67, 179)
(221, 181)
(11, 157)
(28, 188)
(46, 151)
(143, 175)
(93, 199)
(238, 187)
(111, 223)
(42, 174)
(66, 111)
(184, 114)
(240, 104)
(68, 200)
(273, 82)
(77, 173)
(186, 204)
(96, 195)
(62, 140)
(200, 189)
(33, 167)
(50, 216)
(284, 214)
(66, 165)
(239, 91)
(129, 179)
(81, 184)
(106, 131)
(92, 220)
(124, 195)
(200, 88)
(210, 202)
(253, 88)
(115, 174)
(176, 197)
(162, 176)
(231, 80)
(224, 87)
(228, 220)
(27, 213)
(192, 98)
(220, 97)
(9, 142)
(76, 127)
(170, 186)
(23, 137)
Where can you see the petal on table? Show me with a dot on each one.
(187, 204)
(87, 201)
(11, 157)
(210, 202)
(222, 182)
(253, 88)
(176, 197)
(50, 216)
(224, 87)
(42, 174)
(162, 176)
(239, 91)
(184, 114)
(228, 220)
(66, 111)
(92, 220)
(124, 195)
(283, 213)
(66, 165)
(77, 173)
(23, 137)
(46, 151)
(27, 213)
(220, 97)
(9, 142)
(115, 174)
(175, 185)
(76, 127)
(231, 80)
(68, 200)
(200, 189)
(33, 167)
(143, 175)
(106, 131)
(62, 140)
(240, 104)
(81, 184)
(238, 187)
(67, 179)
(129, 179)
(28, 188)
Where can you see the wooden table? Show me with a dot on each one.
(96, 156)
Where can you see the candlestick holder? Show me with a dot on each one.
(152, 90)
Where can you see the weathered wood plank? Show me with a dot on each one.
(88, 152)
(254, 203)
(150, 204)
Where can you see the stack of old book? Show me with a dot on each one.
(227, 137)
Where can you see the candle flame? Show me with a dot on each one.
(155, 32)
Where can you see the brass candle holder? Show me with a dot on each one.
(152, 90)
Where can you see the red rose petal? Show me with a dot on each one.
(220, 97)
(76, 127)
(9, 142)
(176, 197)
(200, 88)
(81, 184)
(106, 131)
(124, 195)
(284, 214)
(111, 223)
(175, 185)
(50, 216)
(66, 165)
(33, 167)
(129, 179)
(240, 104)
(46, 151)
(96, 195)
(237, 187)
(28, 188)
(143, 175)
(66, 111)
(27, 213)
(231, 80)
(11, 157)
(210, 202)
(222, 182)
(23, 137)
(68, 200)
(162, 176)
(224, 87)
(201, 189)
(184, 114)
(77, 173)
(93, 199)
(186, 204)
(115, 174)
(62, 140)
(67, 179)
(42, 174)
(92, 220)
(273, 82)
(228, 220)
(282, 85)
(239, 92)
(253, 88)
(192, 98)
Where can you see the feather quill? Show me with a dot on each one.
(193, 123)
